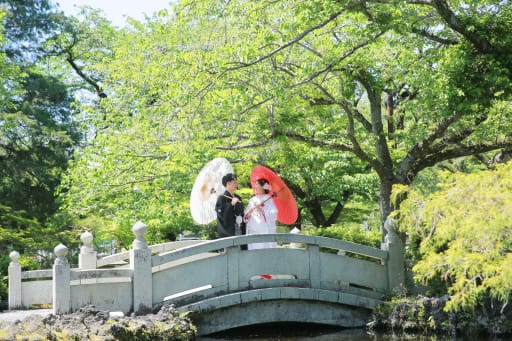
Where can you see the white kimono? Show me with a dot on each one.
(259, 222)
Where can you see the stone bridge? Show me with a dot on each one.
(306, 279)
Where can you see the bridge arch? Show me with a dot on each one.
(286, 304)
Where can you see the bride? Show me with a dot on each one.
(261, 214)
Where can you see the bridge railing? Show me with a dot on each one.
(118, 258)
(190, 271)
(220, 267)
(34, 288)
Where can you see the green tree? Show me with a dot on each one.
(27, 25)
(460, 236)
(83, 42)
(37, 133)
(155, 128)
(321, 91)
(402, 86)
(38, 139)
(108, 191)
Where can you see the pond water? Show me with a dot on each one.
(305, 332)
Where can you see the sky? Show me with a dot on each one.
(117, 10)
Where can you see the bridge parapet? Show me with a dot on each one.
(190, 272)
(220, 267)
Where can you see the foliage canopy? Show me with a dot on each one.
(341, 98)
(461, 235)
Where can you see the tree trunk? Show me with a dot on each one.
(385, 202)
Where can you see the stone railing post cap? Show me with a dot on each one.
(60, 250)
(87, 237)
(390, 224)
(14, 255)
(139, 229)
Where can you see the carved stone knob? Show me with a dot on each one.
(87, 238)
(139, 229)
(390, 225)
(61, 250)
(15, 256)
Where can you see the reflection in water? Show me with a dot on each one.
(306, 332)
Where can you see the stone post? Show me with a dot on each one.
(314, 265)
(61, 281)
(14, 273)
(140, 262)
(87, 258)
(396, 261)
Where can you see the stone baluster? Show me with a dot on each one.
(61, 281)
(140, 262)
(14, 273)
(87, 258)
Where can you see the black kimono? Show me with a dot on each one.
(227, 214)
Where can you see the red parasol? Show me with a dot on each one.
(283, 199)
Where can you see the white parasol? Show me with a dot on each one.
(206, 189)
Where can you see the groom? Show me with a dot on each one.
(230, 209)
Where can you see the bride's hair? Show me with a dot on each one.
(264, 183)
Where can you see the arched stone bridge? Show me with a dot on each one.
(306, 279)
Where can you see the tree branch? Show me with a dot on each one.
(411, 2)
(318, 143)
(79, 71)
(384, 165)
(458, 151)
(426, 148)
(433, 37)
(338, 209)
(330, 66)
(299, 37)
(451, 19)
(246, 146)
(445, 12)
(420, 149)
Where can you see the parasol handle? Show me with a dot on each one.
(227, 196)
(248, 214)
